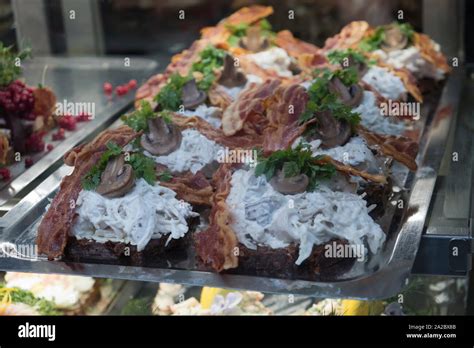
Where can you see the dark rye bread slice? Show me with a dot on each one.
(280, 263)
(155, 254)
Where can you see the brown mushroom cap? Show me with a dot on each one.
(162, 138)
(117, 178)
(254, 41)
(394, 38)
(351, 96)
(289, 186)
(192, 97)
(330, 131)
(361, 68)
(230, 76)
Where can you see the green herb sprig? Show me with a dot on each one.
(169, 97)
(138, 119)
(9, 70)
(322, 99)
(340, 56)
(374, 41)
(43, 306)
(211, 58)
(143, 167)
(293, 162)
(239, 31)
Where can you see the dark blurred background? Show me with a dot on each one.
(152, 27)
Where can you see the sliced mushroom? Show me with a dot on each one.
(254, 41)
(117, 178)
(192, 97)
(289, 186)
(230, 76)
(330, 131)
(394, 38)
(351, 96)
(162, 138)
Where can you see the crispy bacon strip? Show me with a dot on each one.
(401, 149)
(215, 246)
(54, 228)
(238, 140)
(346, 169)
(283, 112)
(348, 37)
(309, 56)
(219, 34)
(293, 46)
(249, 109)
(429, 52)
(218, 96)
(192, 188)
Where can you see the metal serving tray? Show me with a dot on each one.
(74, 80)
(383, 276)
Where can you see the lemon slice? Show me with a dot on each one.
(209, 294)
(356, 307)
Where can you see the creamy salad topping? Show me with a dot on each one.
(411, 59)
(373, 119)
(147, 212)
(386, 83)
(211, 114)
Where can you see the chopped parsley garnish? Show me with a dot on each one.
(43, 306)
(143, 167)
(294, 162)
(239, 31)
(343, 56)
(9, 70)
(138, 119)
(211, 58)
(322, 99)
(374, 41)
(169, 97)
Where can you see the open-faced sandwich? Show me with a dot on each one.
(116, 208)
(396, 47)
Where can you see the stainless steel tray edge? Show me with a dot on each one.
(383, 283)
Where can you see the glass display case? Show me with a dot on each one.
(109, 58)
